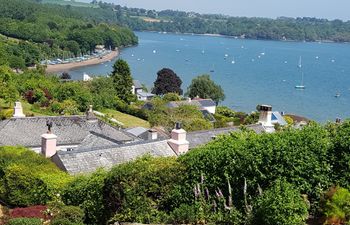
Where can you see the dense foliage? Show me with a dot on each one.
(27, 178)
(25, 221)
(336, 206)
(189, 116)
(241, 178)
(48, 95)
(167, 82)
(122, 79)
(282, 28)
(203, 87)
(34, 32)
(280, 204)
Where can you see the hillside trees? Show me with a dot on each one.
(122, 79)
(203, 87)
(167, 82)
(43, 31)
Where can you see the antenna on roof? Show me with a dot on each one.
(178, 126)
(49, 125)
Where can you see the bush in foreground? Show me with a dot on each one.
(281, 204)
(24, 221)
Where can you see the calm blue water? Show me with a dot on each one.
(254, 78)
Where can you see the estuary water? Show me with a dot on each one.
(251, 72)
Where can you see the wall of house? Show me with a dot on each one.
(211, 109)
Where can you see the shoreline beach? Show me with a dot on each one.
(73, 65)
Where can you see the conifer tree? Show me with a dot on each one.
(122, 79)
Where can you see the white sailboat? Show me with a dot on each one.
(233, 60)
(299, 64)
(301, 86)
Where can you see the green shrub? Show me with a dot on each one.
(185, 214)
(70, 215)
(87, 193)
(340, 154)
(168, 97)
(28, 178)
(280, 204)
(141, 191)
(336, 206)
(24, 221)
(261, 159)
(64, 222)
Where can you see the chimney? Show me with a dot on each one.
(48, 142)
(265, 117)
(90, 116)
(18, 110)
(152, 134)
(178, 140)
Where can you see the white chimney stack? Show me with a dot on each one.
(18, 110)
(48, 145)
(152, 134)
(178, 140)
(265, 117)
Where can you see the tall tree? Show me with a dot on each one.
(122, 79)
(203, 87)
(167, 82)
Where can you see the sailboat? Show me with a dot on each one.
(299, 64)
(213, 69)
(301, 86)
(233, 60)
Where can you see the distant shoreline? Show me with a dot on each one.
(240, 38)
(74, 65)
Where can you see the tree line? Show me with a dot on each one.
(34, 31)
(282, 28)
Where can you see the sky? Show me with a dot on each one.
(330, 9)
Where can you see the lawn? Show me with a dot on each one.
(127, 120)
(28, 109)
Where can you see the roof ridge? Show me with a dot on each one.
(82, 150)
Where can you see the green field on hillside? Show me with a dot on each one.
(72, 3)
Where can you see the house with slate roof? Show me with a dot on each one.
(142, 95)
(82, 144)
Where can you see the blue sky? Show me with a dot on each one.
(330, 9)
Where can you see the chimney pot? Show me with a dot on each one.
(152, 134)
(178, 141)
(266, 117)
(48, 145)
(18, 110)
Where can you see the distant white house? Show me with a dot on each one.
(269, 118)
(99, 48)
(137, 90)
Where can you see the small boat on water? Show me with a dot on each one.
(301, 86)
(337, 95)
(233, 60)
(299, 64)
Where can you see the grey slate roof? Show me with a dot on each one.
(199, 138)
(137, 84)
(88, 160)
(70, 130)
(136, 131)
(95, 140)
(145, 94)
